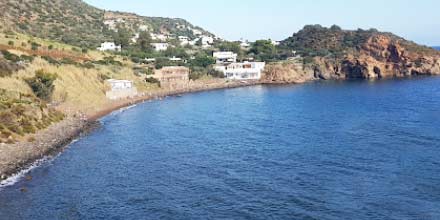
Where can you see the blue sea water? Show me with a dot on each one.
(332, 150)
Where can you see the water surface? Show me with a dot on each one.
(352, 150)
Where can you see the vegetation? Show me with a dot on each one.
(22, 114)
(316, 40)
(42, 84)
(76, 23)
(152, 80)
(264, 50)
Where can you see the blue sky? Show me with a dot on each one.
(277, 19)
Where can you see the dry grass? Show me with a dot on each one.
(76, 88)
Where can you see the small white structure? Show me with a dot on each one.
(120, 89)
(275, 43)
(150, 60)
(120, 84)
(160, 46)
(197, 32)
(160, 37)
(184, 40)
(175, 59)
(245, 44)
(109, 46)
(207, 41)
(225, 57)
(243, 71)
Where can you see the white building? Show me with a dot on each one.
(160, 37)
(116, 84)
(160, 46)
(120, 89)
(275, 43)
(184, 40)
(245, 44)
(244, 71)
(109, 46)
(175, 59)
(225, 57)
(197, 32)
(207, 41)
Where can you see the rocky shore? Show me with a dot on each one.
(19, 156)
(15, 157)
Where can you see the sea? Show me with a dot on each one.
(325, 150)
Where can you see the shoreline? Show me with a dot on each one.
(19, 157)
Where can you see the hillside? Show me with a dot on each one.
(368, 54)
(77, 23)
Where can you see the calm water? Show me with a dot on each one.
(354, 150)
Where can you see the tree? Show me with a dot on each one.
(145, 41)
(122, 37)
(230, 46)
(202, 61)
(263, 50)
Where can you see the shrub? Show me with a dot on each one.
(10, 56)
(11, 43)
(50, 60)
(27, 58)
(152, 80)
(35, 46)
(42, 84)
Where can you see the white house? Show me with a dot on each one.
(245, 44)
(116, 84)
(207, 41)
(160, 37)
(225, 57)
(197, 32)
(120, 89)
(175, 59)
(160, 46)
(275, 43)
(109, 46)
(184, 40)
(244, 71)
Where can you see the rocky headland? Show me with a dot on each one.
(336, 54)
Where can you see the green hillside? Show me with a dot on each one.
(77, 23)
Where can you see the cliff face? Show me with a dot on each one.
(291, 72)
(361, 54)
(380, 57)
